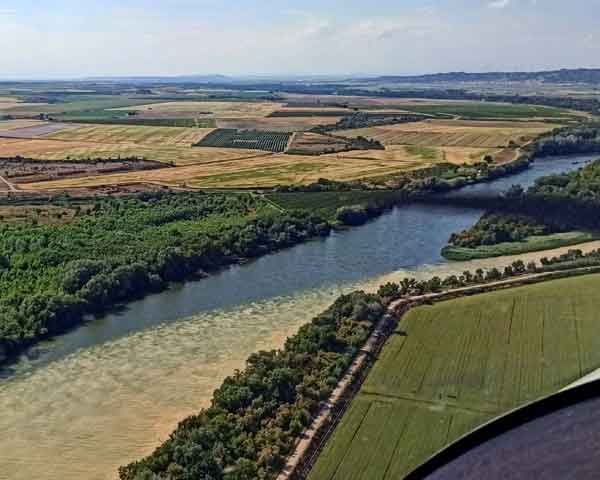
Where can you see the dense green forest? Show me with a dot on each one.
(569, 141)
(257, 414)
(495, 228)
(50, 276)
(569, 200)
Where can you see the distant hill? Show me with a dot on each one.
(580, 75)
(165, 79)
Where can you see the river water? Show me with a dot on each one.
(111, 390)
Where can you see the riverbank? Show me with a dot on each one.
(530, 244)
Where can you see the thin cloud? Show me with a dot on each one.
(499, 4)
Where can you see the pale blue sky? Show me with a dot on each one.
(52, 38)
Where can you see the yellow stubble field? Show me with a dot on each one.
(253, 169)
(458, 133)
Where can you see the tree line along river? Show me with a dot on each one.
(108, 392)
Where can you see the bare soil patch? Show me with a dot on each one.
(316, 144)
(35, 131)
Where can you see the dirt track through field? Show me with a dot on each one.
(9, 185)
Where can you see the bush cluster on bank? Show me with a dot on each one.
(495, 228)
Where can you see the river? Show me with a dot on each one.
(111, 390)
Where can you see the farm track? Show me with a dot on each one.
(304, 457)
(10, 186)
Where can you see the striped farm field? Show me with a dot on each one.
(209, 167)
(455, 133)
(117, 134)
(171, 154)
(6, 125)
(454, 365)
(238, 168)
(210, 109)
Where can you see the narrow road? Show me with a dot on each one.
(11, 187)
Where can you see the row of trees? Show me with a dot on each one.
(257, 414)
(410, 287)
(365, 120)
(122, 248)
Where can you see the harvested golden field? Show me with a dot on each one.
(457, 133)
(171, 154)
(120, 134)
(38, 148)
(436, 125)
(288, 109)
(14, 124)
(266, 170)
(410, 153)
(210, 109)
(12, 104)
(7, 102)
(276, 124)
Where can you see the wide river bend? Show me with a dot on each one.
(111, 390)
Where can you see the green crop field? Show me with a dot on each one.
(99, 117)
(327, 203)
(79, 104)
(453, 366)
(482, 110)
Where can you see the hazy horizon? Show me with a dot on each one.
(64, 39)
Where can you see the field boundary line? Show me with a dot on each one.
(418, 401)
(579, 360)
(11, 186)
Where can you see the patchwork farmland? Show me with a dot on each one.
(251, 154)
(452, 366)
